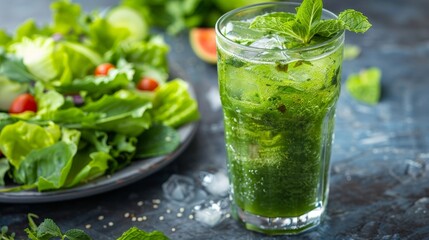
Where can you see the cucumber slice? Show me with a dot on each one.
(126, 17)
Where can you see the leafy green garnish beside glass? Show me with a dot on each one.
(86, 125)
(301, 28)
(48, 230)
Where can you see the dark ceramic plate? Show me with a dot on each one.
(137, 170)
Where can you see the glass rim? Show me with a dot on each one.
(293, 50)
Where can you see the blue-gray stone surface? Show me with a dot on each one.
(380, 163)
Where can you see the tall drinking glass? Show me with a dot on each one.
(279, 108)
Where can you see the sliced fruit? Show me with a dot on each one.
(128, 18)
(203, 42)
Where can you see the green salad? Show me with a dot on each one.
(83, 96)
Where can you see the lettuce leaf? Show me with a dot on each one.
(173, 105)
(66, 17)
(96, 86)
(123, 150)
(55, 62)
(103, 36)
(38, 56)
(4, 38)
(4, 168)
(47, 168)
(17, 140)
(148, 58)
(9, 90)
(156, 141)
(125, 115)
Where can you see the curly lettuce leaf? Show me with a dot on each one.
(55, 62)
(38, 56)
(173, 105)
(103, 36)
(66, 17)
(148, 58)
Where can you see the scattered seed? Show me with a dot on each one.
(101, 217)
(181, 209)
(104, 226)
(173, 229)
(110, 224)
(156, 201)
(126, 215)
(144, 218)
(168, 210)
(133, 219)
(228, 215)
(139, 219)
(191, 216)
(155, 206)
(140, 203)
(88, 226)
(161, 218)
(179, 214)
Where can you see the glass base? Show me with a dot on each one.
(279, 225)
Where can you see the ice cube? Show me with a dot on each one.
(216, 184)
(239, 32)
(212, 213)
(179, 188)
(267, 43)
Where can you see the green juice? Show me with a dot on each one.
(279, 120)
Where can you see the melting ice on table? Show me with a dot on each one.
(182, 190)
(212, 212)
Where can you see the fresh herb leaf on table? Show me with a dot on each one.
(365, 86)
(48, 230)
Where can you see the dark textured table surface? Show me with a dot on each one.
(380, 163)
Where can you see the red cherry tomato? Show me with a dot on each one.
(147, 84)
(22, 103)
(103, 69)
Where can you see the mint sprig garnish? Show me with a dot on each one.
(307, 23)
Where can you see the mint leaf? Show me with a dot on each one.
(365, 86)
(327, 28)
(308, 14)
(301, 28)
(137, 234)
(48, 229)
(76, 234)
(354, 21)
